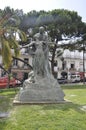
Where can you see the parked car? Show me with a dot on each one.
(4, 82)
(62, 80)
(75, 78)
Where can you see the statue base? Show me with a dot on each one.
(44, 90)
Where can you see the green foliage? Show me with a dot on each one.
(57, 22)
(45, 19)
(9, 22)
(6, 54)
(22, 36)
(14, 45)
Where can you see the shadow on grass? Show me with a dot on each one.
(61, 107)
(65, 107)
(6, 97)
(2, 123)
(4, 107)
(5, 103)
(75, 86)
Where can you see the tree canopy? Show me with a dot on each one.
(9, 22)
(58, 23)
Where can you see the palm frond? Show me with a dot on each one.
(22, 35)
(6, 53)
(14, 45)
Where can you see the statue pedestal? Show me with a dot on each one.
(44, 90)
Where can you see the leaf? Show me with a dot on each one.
(6, 53)
(22, 36)
(14, 45)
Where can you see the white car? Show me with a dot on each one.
(75, 78)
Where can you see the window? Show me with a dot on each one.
(63, 65)
(15, 62)
(26, 60)
(72, 66)
(55, 63)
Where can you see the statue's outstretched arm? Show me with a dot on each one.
(28, 45)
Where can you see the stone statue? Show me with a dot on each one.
(40, 54)
(40, 87)
(40, 61)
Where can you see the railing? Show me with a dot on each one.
(20, 67)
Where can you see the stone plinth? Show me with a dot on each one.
(44, 90)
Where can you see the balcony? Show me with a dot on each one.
(72, 69)
(61, 69)
(23, 68)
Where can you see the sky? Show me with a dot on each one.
(29, 5)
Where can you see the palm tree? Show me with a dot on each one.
(8, 40)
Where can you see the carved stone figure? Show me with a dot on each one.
(41, 87)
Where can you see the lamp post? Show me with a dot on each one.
(84, 49)
(83, 64)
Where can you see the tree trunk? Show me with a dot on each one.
(52, 60)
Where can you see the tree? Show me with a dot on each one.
(9, 22)
(59, 23)
(67, 24)
(8, 41)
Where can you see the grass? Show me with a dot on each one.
(6, 97)
(69, 116)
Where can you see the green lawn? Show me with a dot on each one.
(69, 116)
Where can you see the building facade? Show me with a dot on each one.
(70, 62)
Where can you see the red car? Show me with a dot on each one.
(4, 82)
